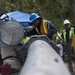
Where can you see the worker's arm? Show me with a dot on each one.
(31, 32)
(50, 34)
(52, 30)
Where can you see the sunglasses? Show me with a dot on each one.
(67, 24)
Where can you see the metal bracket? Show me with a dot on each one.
(24, 49)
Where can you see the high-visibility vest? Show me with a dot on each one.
(43, 29)
(25, 40)
(71, 34)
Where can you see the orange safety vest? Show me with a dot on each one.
(43, 29)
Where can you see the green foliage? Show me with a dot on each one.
(54, 10)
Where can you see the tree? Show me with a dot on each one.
(54, 10)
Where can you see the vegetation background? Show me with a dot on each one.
(54, 10)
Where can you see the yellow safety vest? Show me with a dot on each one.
(25, 40)
(71, 33)
(43, 29)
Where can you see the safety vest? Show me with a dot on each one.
(43, 29)
(71, 34)
(25, 40)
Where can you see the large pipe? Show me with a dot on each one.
(43, 60)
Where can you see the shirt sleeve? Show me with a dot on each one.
(31, 32)
(52, 29)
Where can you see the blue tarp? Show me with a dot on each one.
(19, 16)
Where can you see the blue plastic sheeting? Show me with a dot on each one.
(19, 16)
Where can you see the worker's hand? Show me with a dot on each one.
(58, 34)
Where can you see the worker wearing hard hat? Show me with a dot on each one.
(41, 27)
(68, 32)
(67, 35)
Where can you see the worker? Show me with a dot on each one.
(41, 26)
(67, 35)
(68, 32)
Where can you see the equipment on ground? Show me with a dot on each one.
(42, 59)
(23, 50)
(11, 32)
(73, 43)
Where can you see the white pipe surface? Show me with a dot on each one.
(43, 60)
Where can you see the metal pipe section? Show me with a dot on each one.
(8, 51)
(43, 60)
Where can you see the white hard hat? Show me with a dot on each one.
(33, 17)
(66, 22)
